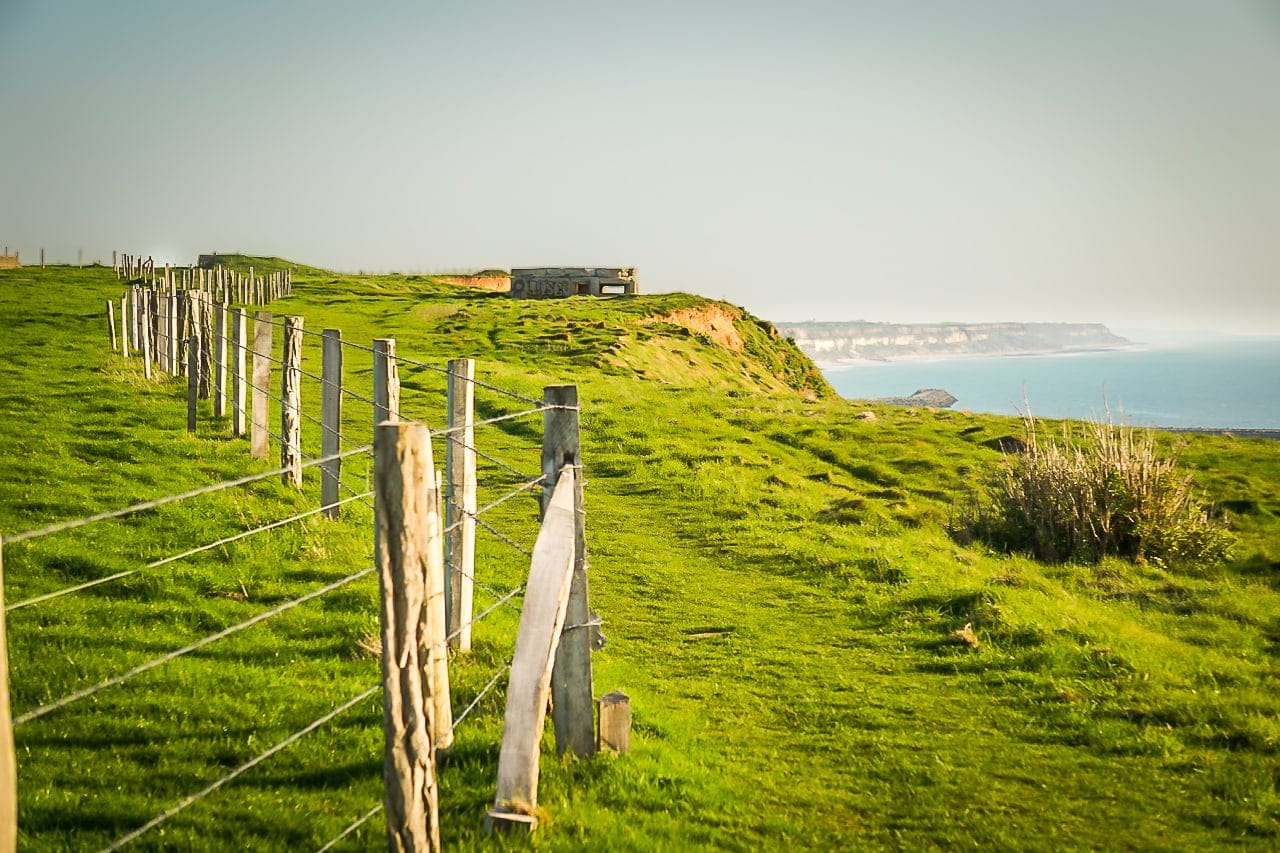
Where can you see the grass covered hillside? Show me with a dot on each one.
(777, 582)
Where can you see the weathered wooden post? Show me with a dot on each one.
(290, 402)
(171, 334)
(124, 326)
(460, 501)
(202, 320)
(541, 621)
(574, 707)
(239, 329)
(331, 420)
(220, 361)
(42, 257)
(615, 722)
(193, 381)
(80, 260)
(403, 500)
(386, 381)
(8, 760)
(144, 336)
(258, 447)
(111, 324)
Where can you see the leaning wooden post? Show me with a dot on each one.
(460, 501)
(258, 447)
(290, 403)
(8, 760)
(240, 345)
(541, 623)
(111, 324)
(574, 707)
(193, 381)
(386, 381)
(331, 421)
(402, 502)
(219, 361)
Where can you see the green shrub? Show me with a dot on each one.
(1084, 498)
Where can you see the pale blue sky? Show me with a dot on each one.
(898, 161)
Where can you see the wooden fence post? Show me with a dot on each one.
(239, 329)
(574, 706)
(541, 622)
(144, 336)
(386, 381)
(258, 447)
(331, 421)
(111, 323)
(202, 319)
(193, 381)
(171, 334)
(124, 326)
(290, 402)
(219, 361)
(8, 760)
(615, 722)
(403, 500)
(460, 501)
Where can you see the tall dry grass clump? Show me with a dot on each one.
(1100, 490)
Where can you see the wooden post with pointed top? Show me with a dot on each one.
(573, 703)
(460, 501)
(404, 510)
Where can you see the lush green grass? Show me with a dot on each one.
(776, 579)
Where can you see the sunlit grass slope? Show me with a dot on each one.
(779, 592)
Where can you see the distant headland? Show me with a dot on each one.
(838, 342)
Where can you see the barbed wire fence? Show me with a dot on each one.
(421, 516)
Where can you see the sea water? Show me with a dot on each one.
(1219, 383)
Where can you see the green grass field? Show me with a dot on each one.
(776, 579)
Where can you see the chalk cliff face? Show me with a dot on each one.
(837, 342)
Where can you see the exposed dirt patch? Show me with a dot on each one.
(713, 322)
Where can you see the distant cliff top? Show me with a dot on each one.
(859, 340)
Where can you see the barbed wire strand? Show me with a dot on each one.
(359, 822)
(497, 419)
(504, 537)
(168, 499)
(243, 768)
(118, 575)
(508, 496)
(483, 692)
(41, 711)
(477, 382)
(478, 452)
(483, 613)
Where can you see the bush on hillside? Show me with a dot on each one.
(1084, 498)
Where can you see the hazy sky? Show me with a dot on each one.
(899, 161)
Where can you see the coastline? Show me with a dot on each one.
(922, 357)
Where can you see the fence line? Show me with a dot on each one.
(186, 311)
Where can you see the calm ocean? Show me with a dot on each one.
(1227, 383)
